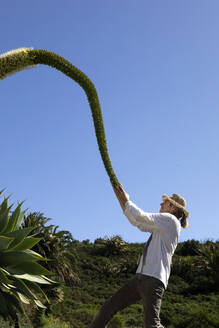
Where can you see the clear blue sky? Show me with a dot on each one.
(155, 65)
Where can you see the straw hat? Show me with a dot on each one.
(177, 201)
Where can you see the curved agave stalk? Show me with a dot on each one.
(20, 272)
(22, 58)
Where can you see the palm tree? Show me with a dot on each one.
(58, 247)
(55, 245)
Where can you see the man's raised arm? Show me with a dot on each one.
(143, 221)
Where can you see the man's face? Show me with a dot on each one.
(166, 207)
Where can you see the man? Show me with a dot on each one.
(153, 271)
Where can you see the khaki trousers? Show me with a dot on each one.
(141, 287)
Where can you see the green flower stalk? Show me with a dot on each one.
(19, 59)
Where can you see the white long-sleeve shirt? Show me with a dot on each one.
(165, 229)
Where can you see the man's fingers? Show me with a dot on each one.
(119, 191)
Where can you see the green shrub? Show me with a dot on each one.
(52, 322)
(115, 322)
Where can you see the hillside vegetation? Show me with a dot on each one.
(88, 273)
(190, 301)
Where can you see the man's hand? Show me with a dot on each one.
(122, 196)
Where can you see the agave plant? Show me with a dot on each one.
(19, 59)
(20, 272)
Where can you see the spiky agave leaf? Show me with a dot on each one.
(22, 58)
(20, 272)
(18, 236)
(5, 241)
(4, 215)
(14, 219)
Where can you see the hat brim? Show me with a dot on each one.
(165, 197)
